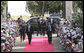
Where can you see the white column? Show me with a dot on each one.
(68, 10)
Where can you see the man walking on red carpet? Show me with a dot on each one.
(49, 32)
(29, 31)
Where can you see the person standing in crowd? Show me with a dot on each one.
(67, 22)
(8, 17)
(73, 23)
(19, 20)
(51, 21)
(49, 32)
(29, 31)
(22, 30)
(61, 22)
(43, 27)
(39, 26)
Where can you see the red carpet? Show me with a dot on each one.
(38, 44)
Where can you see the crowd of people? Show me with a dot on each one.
(71, 37)
(9, 32)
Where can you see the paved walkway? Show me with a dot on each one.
(19, 46)
(57, 46)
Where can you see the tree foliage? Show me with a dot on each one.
(78, 16)
(40, 7)
(77, 5)
(55, 6)
(3, 4)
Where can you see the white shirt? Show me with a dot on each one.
(67, 30)
(81, 37)
(29, 28)
(63, 28)
(73, 32)
(61, 22)
(78, 34)
(65, 36)
(40, 22)
(68, 35)
(11, 25)
(7, 35)
(75, 36)
(51, 20)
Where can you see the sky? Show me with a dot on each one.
(17, 8)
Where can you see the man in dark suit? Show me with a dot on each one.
(19, 20)
(22, 30)
(39, 27)
(49, 32)
(29, 31)
(43, 27)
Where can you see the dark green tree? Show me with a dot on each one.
(40, 7)
(3, 4)
(55, 6)
(78, 16)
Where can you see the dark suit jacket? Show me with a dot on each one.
(18, 20)
(22, 28)
(31, 30)
(43, 25)
(39, 25)
(47, 29)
